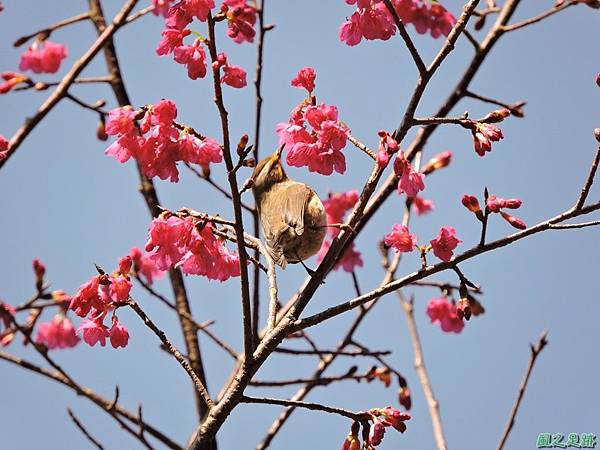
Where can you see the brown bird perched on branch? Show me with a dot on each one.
(291, 214)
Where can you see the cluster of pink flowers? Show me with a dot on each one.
(372, 19)
(43, 57)
(319, 149)
(495, 204)
(484, 133)
(7, 314)
(58, 333)
(336, 207)
(411, 182)
(444, 313)
(387, 147)
(445, 243)
(400, 239)
(240, 17)
(384, 418)
(177, 242)
(11, 80)
(96, 298)
(144, 265)
(156, 144)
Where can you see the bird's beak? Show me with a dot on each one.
(278, 152)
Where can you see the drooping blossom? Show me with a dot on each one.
(372, 19)
(445, 243)
(483, 136)
(58, 333)
(305, 78)
(241, 18)
(144, 265)
(384, 418)
(495, 204)
(404, 397)
(161, 7)
(118, 334)
(119, 288)
(193, 57)
(168, 240)
(156, 143)
(88, 296)
(411, 182)
(234, 76)
(336, 206)
(439, 161)
(382, 374)
(352, 442)
(93, 331)
(172, 38)
(43, 57)
(444, 313)
(400, 239)
(387, 147)
(11, 80)
(422, 205)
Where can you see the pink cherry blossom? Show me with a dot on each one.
(161, 7)
(120, 121)
(444, 313)
(483, 136)
(202, 152)
(88, 296)
(234, 76)
(349, 261)
(4, 144)
(125, 264)
(350, 31)
(411, 182)
(119, 288)
(400, 239)
(168, 240)
(241, 18)
(11, 80)
(7, 313)
(144, 265)
(472, 204)
(171, 39)
(43, 57)
(445, 243)
(198, 8)
(178, 16)
(387, 147)
(336, 206)
(495, 203)
(93, 332)
(305, 78)
(376, 432)
(119, 336)
(58, 333)
(422, 205)
(439, 161)
(193, 57)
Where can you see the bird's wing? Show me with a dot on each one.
(297, 196)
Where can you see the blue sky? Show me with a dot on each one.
(66, 203)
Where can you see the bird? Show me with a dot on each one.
(291, 214)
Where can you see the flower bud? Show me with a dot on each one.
(513, 203)
(463, 309)
(241, 147)
(494, 204)
(472, 204)
(437, 162)
(39, 270)
(598, 80)
(404, 397)
(514, 221)
(125, 265)
(101, 131)
(496, 116)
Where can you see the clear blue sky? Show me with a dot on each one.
(66, 203)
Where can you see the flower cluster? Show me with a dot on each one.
(484, 133)
(336, 207)
(444, 313)
(495, 204)
(58, 333)
(96, 298)
(372, 19)
(43, 57)
(400, 239)
(156, 144)
(319, 148)
(240, 17)
(177, 242)
(384, 418)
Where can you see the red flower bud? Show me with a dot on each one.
(472, 204)
(463, 309)
(496, 116)
(514, 221)
(404, 397)
(437, 162)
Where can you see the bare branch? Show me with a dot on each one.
(538, 18)
(44, 33)
(585, 190)
(305, 405)
(85, 432)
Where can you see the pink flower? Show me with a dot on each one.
(119, 336)
(88, 296)
(387, 147)
(376, 22)
(168, 240)
(4, 144)
(119, 288)
(376, 432)
(93, 331)
(125, 264)
(202, 152)
(422, 206)
(444, 313)
(383, 418)
(305, 79)
(241, 18)
(7, 313)
(161, 7)
(43, 57)
(336, 206)
(400, 239)
(350, 31)
(193, 57)
(483, 136)
(171, 39)
(120, 121)
(234, 76)
(178, 16)
(441, 21)
(58, 333)
(445, 243)
(144, 265)
(198, 8)
(11, 80)
(410, 182)
(349, 261)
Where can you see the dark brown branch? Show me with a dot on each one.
(85, 432)
(406, 38)
(44, 33)
(538, 18)
(585, 190)
(312, 406)
(323, 381)
(173, 351)
(535, 351)
(292, 351)
(97, 108)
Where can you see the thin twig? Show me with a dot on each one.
(85, 432)
(538, 18)
(97, 108)
(535, 351)
(362, 147)
(292, 351)
(306, 405)
(45, 32)
(323, 381)
(585, 190)
(142, 12)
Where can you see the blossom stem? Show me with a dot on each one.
(535, 351)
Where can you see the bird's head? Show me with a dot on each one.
(268, 172)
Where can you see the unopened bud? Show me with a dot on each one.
(101, 131)
(514, 221)
(513, 203)
(125, 265)
(480, 23)
(404, 397)
(463, 309)
(241, 147)
(597, 134)
(494, 204)
(206, 170)
(437, 162)
(40, 86)
(496, 116)
(39, 270)
(598, 80)
(472, 204)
